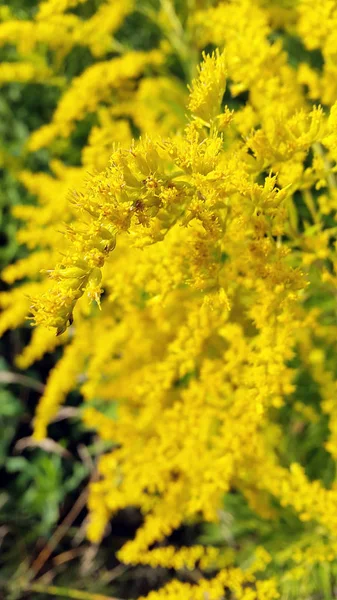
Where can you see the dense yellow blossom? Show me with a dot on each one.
(91, 88)
(188, 266)
(61, 30)
(23, 72)
(209, 87)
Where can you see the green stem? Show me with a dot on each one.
(310, 204)
(65, 592)
(331, 179)
(176, 35)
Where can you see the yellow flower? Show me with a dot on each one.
(190, 275)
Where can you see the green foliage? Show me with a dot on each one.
(41, 486)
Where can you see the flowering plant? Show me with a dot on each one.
(192, 274)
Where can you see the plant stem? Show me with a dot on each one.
(67, 592)
(331, 179)
(59, 533)
(9, 377)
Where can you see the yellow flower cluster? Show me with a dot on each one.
(192, 274)
(61, 30)
(242, 584)
(23, 72)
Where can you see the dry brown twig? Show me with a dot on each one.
(59, 533)
(9, 377)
